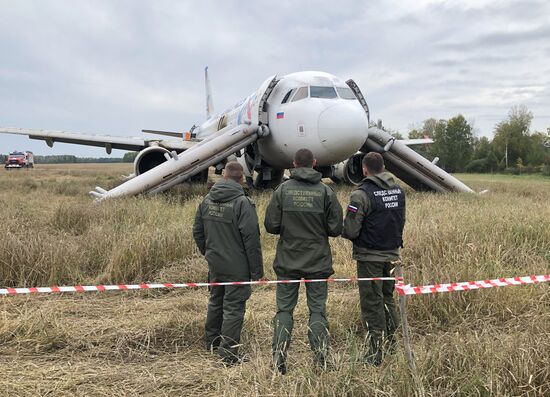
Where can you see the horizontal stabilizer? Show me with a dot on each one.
(418, 141)
(167, 133)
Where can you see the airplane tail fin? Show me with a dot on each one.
(209, 104)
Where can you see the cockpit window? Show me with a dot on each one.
(322, 92)
(345, 93)
(288, 95)
(300, 94)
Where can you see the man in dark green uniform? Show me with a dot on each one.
(226, 231)
(304, 212)
(374, 222)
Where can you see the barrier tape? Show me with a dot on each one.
(121, 287)
(403, 289)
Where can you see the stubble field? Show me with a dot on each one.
(492, 342)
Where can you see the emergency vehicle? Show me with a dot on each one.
(19, 160)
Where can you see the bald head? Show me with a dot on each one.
(233, 171)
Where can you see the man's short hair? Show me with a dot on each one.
(374, 162)
(233, 170)
(304, 158)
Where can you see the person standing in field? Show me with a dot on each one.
(374, 223)
(304, 212)
(226, 231)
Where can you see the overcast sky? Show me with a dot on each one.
(116, 67)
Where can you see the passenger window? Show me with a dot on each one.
(288, 95)
(345, 93)
(323, 92)
(300, 94)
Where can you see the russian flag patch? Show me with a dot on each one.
(352, 208)
(281, 115)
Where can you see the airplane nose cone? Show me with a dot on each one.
(343, 129)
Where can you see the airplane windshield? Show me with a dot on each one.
(322, 92)
(345, 93)
(288, 95)
(300, 94)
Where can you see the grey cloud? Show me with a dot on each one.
(502, 38)
(117, 67)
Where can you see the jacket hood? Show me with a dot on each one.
(226, 190)
(385, 180)
(305, 174)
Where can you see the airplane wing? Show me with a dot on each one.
(107, 141)
(412, 142)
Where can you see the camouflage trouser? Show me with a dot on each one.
(378, 312)
(225, 317)
(287, 297)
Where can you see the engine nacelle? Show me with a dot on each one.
(349, 171)
(149, 158)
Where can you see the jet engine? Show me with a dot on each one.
(152, 156)
(149, 158)
(349, 171)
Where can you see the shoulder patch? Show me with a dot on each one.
(353, 208)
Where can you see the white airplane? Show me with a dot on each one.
(315, 110)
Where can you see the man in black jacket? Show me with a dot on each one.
(374, 222)
(226, 231)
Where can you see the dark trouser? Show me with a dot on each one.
(287, 297)
(377, 306)
(224, 319)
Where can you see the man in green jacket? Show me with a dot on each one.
(304, 212)
(226, 231)
(374, 222)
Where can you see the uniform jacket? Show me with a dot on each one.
(359, 208)
(304, 212)
(227, 233)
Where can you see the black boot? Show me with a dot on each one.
(279, 362)
(374, 356)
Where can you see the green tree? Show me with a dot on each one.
(482, 148)
(453, 143)
(511, 139)
(538, 152)
(396, 134)
(427, 130)
(129, 157)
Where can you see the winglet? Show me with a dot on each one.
(209, 104)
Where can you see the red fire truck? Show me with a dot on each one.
(19, 160)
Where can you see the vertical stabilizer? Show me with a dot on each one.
(209, 104)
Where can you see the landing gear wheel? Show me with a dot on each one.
(276, 178)
(201, 177)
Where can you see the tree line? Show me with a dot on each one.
(70, 159)
(514, 148)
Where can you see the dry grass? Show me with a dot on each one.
(479, 343)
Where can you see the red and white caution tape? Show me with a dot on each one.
(403, 289)
(119, 287)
